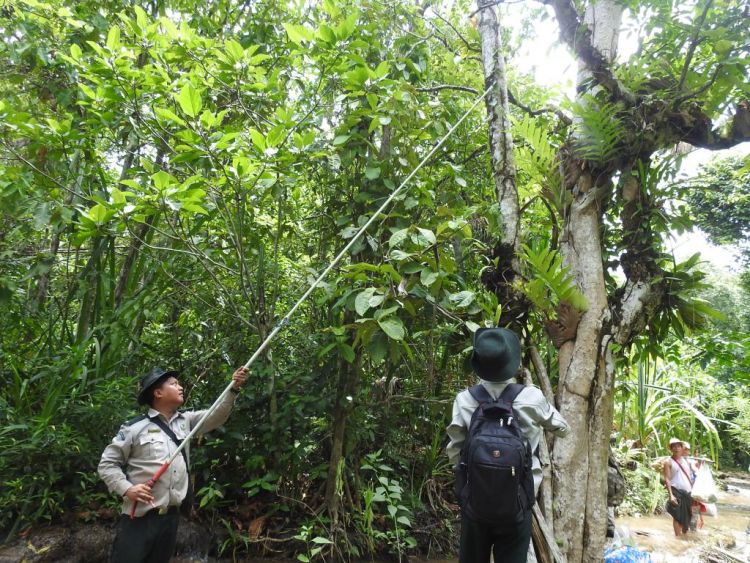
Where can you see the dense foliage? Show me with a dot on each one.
(173, 176)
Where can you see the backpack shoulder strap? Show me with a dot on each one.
(480, 394)
(511, 391)
(168, 431)
(138, 418)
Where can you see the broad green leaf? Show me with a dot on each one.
(403, 520)
(378, 347)
(117, 196)
(162, 180)
(98, 214)
(298, 33)
(326, 34)
(393, 327)
(169, 115)
(341, 139)
(348, 354)
(321, 540)
(362, 301)
(194, 208)
(376, 300)
(345, 29)
(372, 172)
(141, 18)
(113, 38)
(86, 90)
(398, 237)
(234, 49)
(75, 51)
(190, 100)
(462, 298)
(428, 277)
(428, 235)
(258, 139)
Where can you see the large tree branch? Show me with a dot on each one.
(701, 132)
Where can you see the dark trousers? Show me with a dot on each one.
(148, 539)
(508, 544)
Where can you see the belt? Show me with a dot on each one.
(163, 511)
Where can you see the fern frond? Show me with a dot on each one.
(550, 275)
(597, 129)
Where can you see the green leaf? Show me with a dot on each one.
(428, 235)
(87, 90)
(169, 115)
(321, 540)
(347, 352)
(162, 180)
(393, 327)
(398, 237)
(378, 347)
(234, 49)
(258, 139)
(298, 33)
(341, 139)
(190, 100)
(113, 37)
(372, 172)
(462, 298)
(362, 301)
(75, 52)
(428, 277)
(326, 34)
(403, 520)
(141, 17)
(98, 214)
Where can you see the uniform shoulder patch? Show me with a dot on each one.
(138, 418)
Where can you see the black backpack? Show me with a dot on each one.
(494, 481)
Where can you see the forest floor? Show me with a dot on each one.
(722, 539)
(724, 533)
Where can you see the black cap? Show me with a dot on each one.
(497, 353)
(150, 380)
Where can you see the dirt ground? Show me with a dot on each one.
(727, 530)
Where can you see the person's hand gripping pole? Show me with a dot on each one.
(142, 492)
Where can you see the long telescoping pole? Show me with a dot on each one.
(151, 482)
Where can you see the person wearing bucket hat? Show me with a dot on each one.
(496, 359)
(679, 482)
(139, 449)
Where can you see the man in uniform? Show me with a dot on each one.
(137, 452)
(496, 360)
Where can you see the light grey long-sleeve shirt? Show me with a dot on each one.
(140, 448)
(534, 412)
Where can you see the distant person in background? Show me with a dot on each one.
(679, 482)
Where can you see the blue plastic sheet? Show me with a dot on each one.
(626, 554)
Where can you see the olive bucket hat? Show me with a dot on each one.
(150, 380)
(497, 354)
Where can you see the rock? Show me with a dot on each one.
(723, 538)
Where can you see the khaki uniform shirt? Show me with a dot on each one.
(534, 413)
(141, 448)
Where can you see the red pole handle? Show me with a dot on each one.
(150, 483)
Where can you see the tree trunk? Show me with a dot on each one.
(345, 392)
(501, 139)
(585, 389)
